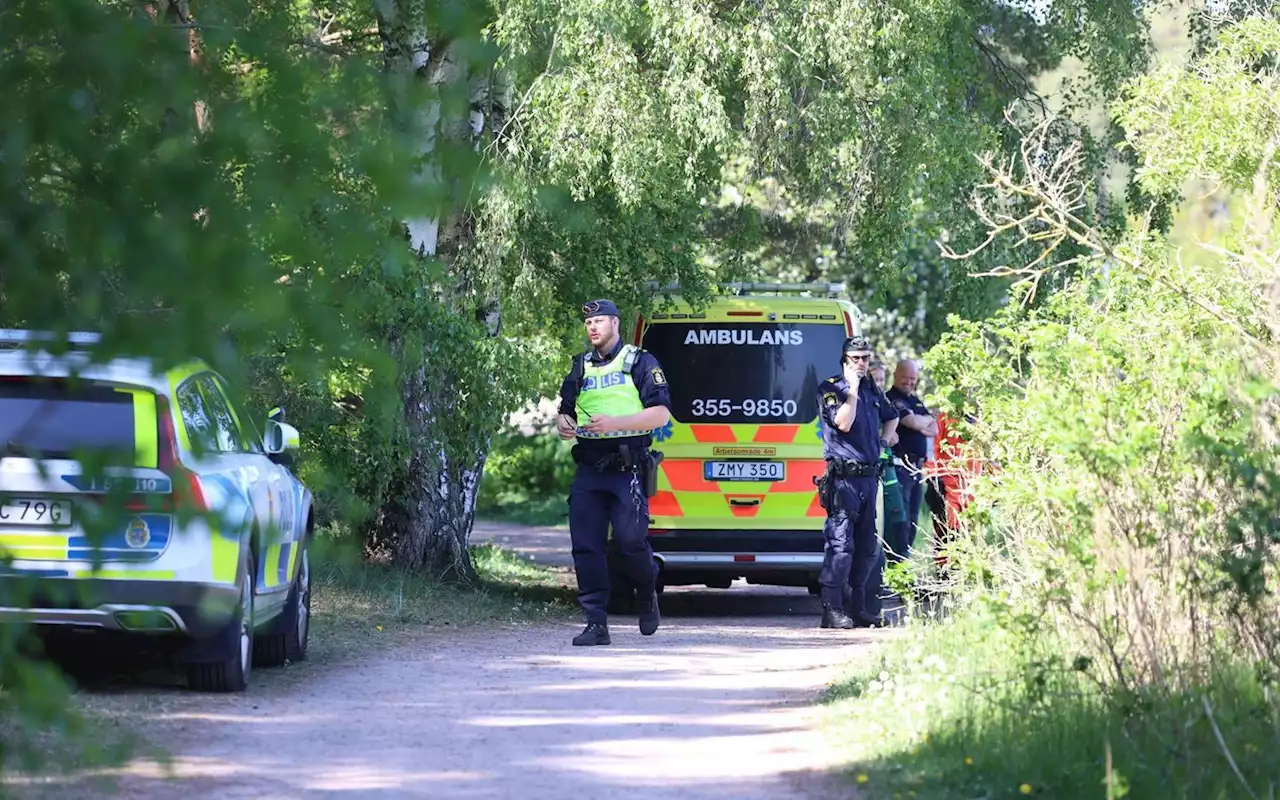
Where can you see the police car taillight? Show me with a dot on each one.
(187, 491)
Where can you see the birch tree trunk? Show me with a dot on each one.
(428, 516)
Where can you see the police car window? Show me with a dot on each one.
(54, 418)
(225, 429)
(756, 372)
(250, 437)
(196, 417)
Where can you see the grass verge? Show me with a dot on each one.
(356, 603)
(961, 709)
(537, 513)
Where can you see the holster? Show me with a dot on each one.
(651, 472)
(826, 483)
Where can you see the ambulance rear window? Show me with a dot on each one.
(750, 372)
(53, 418)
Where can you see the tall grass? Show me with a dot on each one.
(965, 709)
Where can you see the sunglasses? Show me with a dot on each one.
(852, 357)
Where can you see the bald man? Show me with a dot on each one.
(915, 424)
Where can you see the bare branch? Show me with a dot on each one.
(1052, 195)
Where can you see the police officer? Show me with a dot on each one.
(856, 419)
(894, 512)
(915, 426)
(614, 397)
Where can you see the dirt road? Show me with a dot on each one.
(717, 704)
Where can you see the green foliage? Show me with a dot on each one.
(527, 479)
(1117, 624)
(1216, 123)
(186, 207)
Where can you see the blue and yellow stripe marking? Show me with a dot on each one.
(113, 546)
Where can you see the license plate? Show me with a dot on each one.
(744, 470)
(29, 511)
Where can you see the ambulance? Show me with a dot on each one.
(736, 495)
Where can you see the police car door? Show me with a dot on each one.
(241, 460)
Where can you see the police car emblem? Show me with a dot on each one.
(138, 533)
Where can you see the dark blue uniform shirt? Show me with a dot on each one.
(862, 442)
(649, 380)
(911, 444)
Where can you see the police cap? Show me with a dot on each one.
(855, 344)
(600, 308)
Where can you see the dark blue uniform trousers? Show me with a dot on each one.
(912, 481)
(852, 550)
(596, 500)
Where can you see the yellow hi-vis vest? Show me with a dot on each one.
(609, 389)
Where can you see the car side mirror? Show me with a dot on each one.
(280, 437)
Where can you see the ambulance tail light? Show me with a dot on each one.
(848, 324)
(639, 337)
(745, 313)
(187, 490)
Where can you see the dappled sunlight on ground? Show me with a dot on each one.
(707, 707)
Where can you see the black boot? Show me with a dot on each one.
(647, 608)
(835, 618)
(864, 619)
(595, 633)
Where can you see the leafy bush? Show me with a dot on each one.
(1133, 417)
(527, 478)
(1121, 553)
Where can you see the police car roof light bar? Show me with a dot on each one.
(823, 287)
(12, 338)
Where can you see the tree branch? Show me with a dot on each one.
(1053, 192)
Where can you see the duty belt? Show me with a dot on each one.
(843, 468)
(625, 459)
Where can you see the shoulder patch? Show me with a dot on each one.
(830, 399)
(658, 377)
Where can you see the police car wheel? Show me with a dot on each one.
(232, 673)
(289, 633)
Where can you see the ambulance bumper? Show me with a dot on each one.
(740, 552)
(739, 562)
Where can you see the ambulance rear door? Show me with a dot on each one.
(743, 446)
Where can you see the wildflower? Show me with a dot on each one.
(379, 627)
(1025, 788)
(968, 760)
(863, 778)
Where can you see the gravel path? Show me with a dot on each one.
(718, 704)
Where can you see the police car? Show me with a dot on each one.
(736, 495)
(195, 535)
